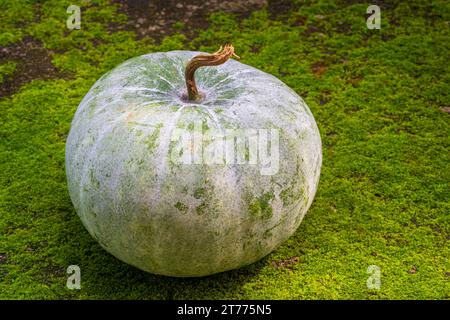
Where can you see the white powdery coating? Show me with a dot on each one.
(188, 219)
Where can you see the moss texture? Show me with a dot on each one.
(380, 98)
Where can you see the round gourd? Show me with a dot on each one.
(185, 176)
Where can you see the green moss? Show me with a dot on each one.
(7, 69)
(377, 96)
(178, 25)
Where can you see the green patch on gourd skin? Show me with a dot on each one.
(91, 108)
(181, 207)
(201, 209)
(136, 123)
(181, 125)
(202, 190)
(260, 207)
(246, 154)
(190, 127)
(230, 95)
(268, 233)
(290, 195)
(94, 181)
(152, 105)
(205, 126)
(133, 162)
(199, 193)
(180, 154)
(152, 140)
(296, 190)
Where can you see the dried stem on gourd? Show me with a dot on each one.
(203, 60)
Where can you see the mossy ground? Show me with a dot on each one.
(380, 98)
